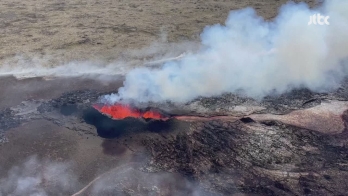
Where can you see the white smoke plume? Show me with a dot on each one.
(251, 56)
(40, 178)
(126, 180)
(23, 67)
(40, 67)
(46, 177)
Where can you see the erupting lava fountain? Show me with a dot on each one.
(120, 111)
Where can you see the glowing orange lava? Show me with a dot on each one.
(119, 111)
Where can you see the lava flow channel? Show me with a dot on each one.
(120, 111)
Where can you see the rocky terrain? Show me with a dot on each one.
(53, 142)
(282, 145)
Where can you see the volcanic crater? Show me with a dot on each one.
(56, 138)
(262, 149)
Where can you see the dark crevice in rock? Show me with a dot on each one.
(247, 120)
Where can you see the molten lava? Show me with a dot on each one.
(119, 111)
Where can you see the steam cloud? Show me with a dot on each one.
(127, 180)
(45, 177)
(39, 178)
(252, 56)
(23, 67)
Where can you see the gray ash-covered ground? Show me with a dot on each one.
(7, 120)
(232, 157)
(277, 104)
(74, 99)
(224, 157)
(241, 155)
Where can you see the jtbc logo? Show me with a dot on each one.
(318, 19)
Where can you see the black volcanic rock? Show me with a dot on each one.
(235, 158)
(8, 119)
(80, 98)
(224, 156)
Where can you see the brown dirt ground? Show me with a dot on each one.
(80, 30)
